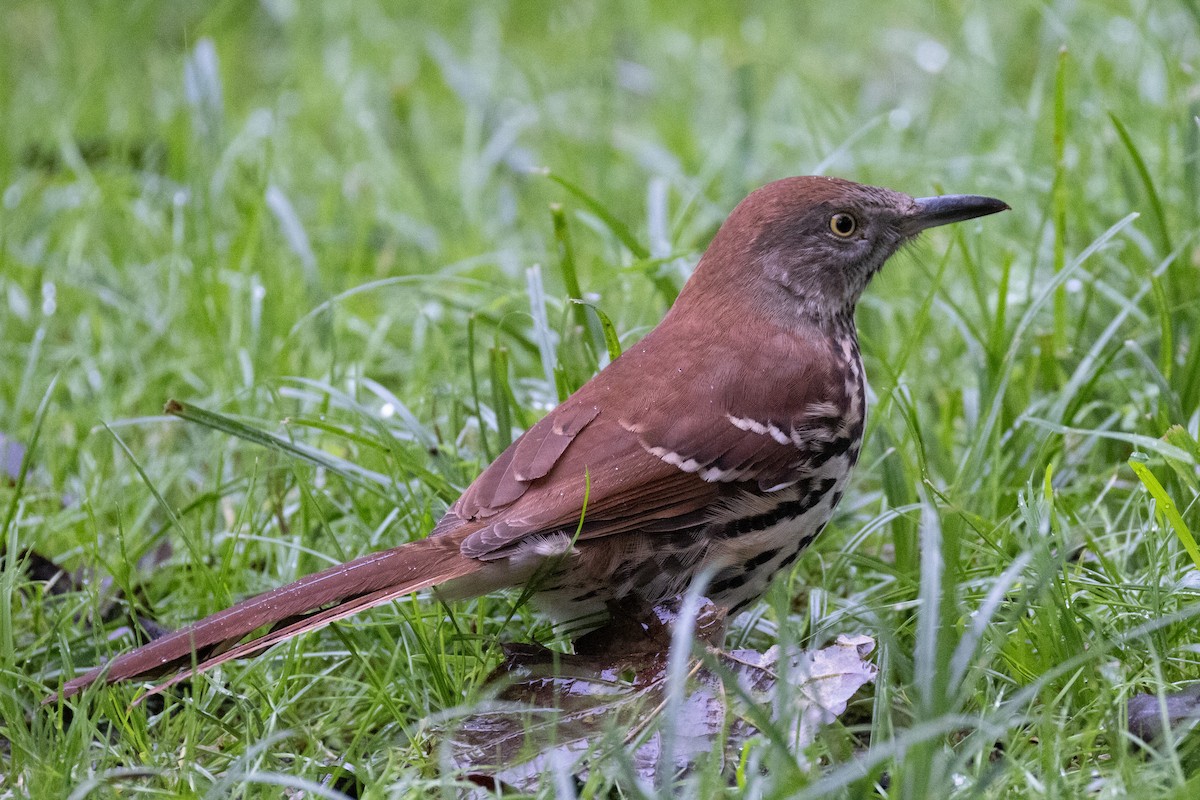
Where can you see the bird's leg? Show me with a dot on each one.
(635, 626)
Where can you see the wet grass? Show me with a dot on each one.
(331, 226)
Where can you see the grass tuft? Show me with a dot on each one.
(320, 225)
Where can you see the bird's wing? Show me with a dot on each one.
(624, 462)
(599, 473)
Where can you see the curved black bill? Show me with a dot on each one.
(933, 211)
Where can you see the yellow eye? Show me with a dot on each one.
(843, 225)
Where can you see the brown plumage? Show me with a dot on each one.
(722, 441)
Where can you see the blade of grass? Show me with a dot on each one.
(1139, 164)
(501, 395)
(612, 342)
(483, 439)
(1059, 199)
(346, 470)
(614, 225)
(541, 325)
(1165, 507)
(566, 261)
(1177, 435)
(1157, 446)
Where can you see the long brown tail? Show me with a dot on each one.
(310, 603)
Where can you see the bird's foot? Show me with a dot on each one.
(635, 627)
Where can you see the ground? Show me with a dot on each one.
(358, 227)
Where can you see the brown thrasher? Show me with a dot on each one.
(722, 442)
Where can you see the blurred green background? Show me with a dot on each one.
(340, 223)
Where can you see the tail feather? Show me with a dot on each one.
(301, 606)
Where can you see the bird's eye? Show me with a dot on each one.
(843, 225)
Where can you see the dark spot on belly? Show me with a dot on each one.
(781, 512)
(725, 584)
(835, 448)
(760, 559)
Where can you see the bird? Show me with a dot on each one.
(720, 444)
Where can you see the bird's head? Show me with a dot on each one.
(811, 244)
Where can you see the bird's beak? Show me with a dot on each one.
(929, 212)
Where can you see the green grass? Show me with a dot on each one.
(336, 212)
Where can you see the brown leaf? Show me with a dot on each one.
(1147, 712)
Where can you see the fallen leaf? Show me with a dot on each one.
(553, 711)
